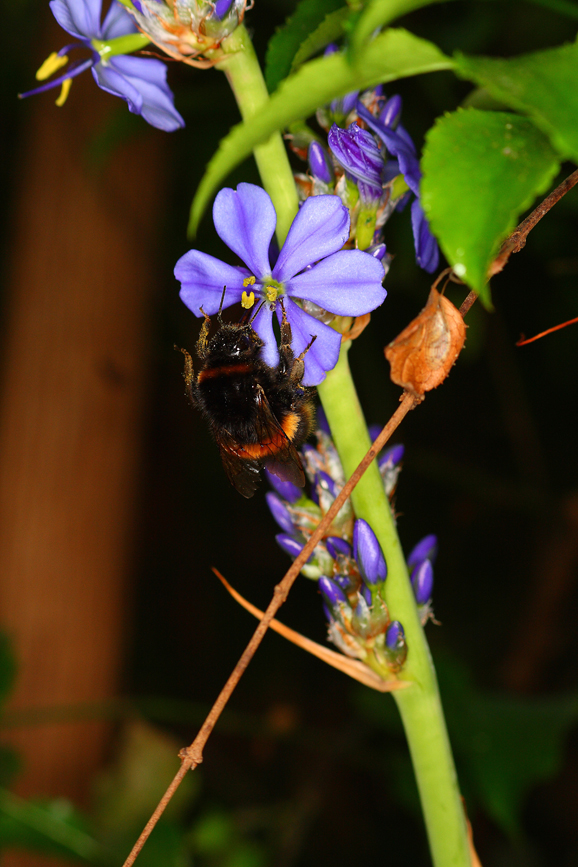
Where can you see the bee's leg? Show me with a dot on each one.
(201, 346)
(298, 366)
(188, 376)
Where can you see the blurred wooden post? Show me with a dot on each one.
(74, 384)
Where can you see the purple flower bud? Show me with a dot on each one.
(378, 251)
(366, 593)
(322, 422)
(319, 163)
(343, 581)
(395, 636)
(290, 544)
(222, 7)
(368, 554)
(374, 431)
(422, 582)
(426, 549)
(332, 48)
(332, 592)
(287, 490)
(327, 483)
(280, 512)
(336, 546)
(328, 614)
(355, 149)
(391, 111)
(392, 456)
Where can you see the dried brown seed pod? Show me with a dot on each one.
(422, 355)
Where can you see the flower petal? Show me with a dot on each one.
(427, 252)
(399, 144)
(263, 325)
(245, 220)
(203, 278)
(80, 18)
(117, 22)
(320, 228)
(143, 83)
(324, 352)
(347, 283)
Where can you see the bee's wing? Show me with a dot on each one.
(243, 473)
(280, 455)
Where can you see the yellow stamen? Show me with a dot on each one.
(248, 281)
(247, 301)
(51, 65)
(270, 293)
(64, 92)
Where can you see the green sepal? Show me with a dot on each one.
(481, 170)
(541, 85)
(391, 55)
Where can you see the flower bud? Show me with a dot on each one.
(395, 636)
(290, 544)
(356, 151)
(422, 582)
(287, 490)
(368, 554)
(280, 512)
(426, 549)
(332, 592)
(319, 163)
(390, 113)
(337, 546)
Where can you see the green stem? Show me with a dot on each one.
(419, 706)
(243, 72)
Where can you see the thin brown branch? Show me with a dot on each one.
(517, 240)
(523, 340)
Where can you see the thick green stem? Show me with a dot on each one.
(248, 85)
(420, 705)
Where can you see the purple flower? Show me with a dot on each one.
(355, 149)
(311, 267)
(399, 144)
(142, 82)
(394, 637)
(334, 595)
(367, 551)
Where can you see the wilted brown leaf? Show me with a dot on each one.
(422, 355)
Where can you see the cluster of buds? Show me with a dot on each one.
(371, 163)
(348, 563)
(187, 29)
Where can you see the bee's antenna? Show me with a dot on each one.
(219, 317)
(256, 313)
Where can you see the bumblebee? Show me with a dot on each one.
(258, 415)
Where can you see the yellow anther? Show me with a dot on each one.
(64, 91)
(247, 301)
(248, 281)
(270, 293)
(51, 65)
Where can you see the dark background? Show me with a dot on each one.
(308, 767)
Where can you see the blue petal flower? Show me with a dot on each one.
(355, 149)
(311, 267)
(142, 82)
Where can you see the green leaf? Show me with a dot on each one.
(330, 29)
(51, 827)
(481, 169)
(541, 85)
(285, 42)
(391, 55)
(379, 13)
